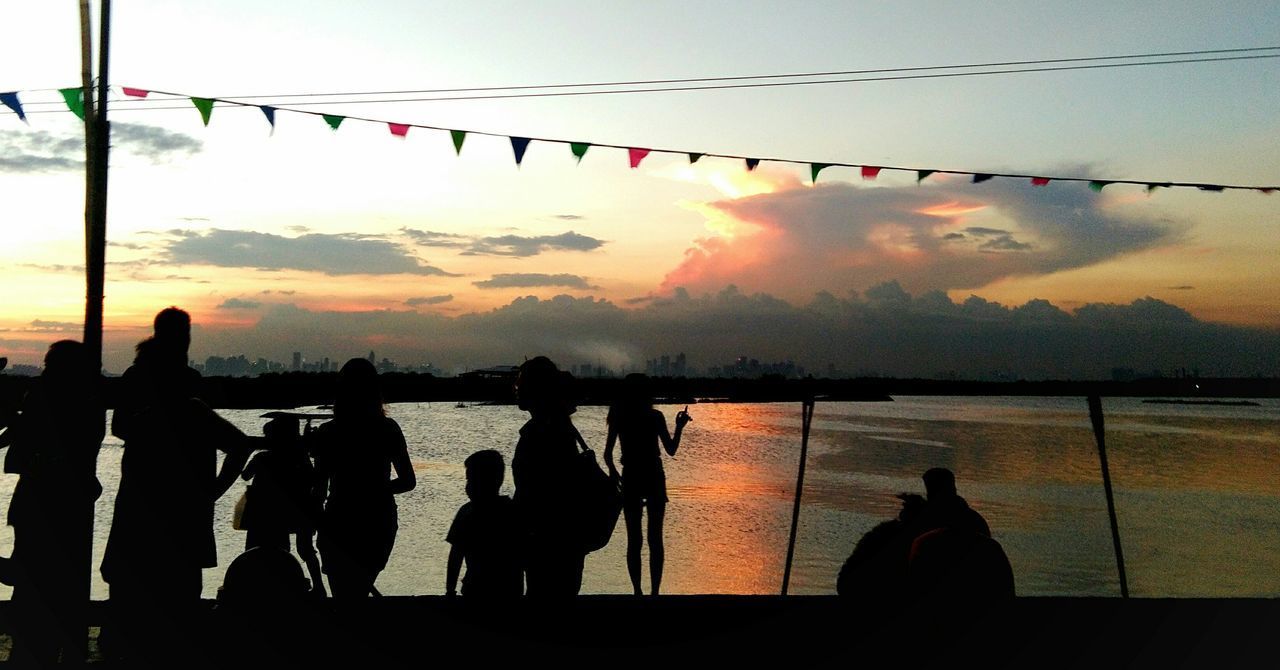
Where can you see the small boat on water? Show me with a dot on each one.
(461, 405)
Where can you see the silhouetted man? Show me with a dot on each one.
(954, 560)
(162, 528)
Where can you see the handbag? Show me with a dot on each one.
(600, 500)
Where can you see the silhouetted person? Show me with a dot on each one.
(953, 560)
(355, 454)
(876, 572)
(279, 500)
(54, 450)
(544, 469)
(162, 527)
(485, 534)
(640, 428)
(946, 509)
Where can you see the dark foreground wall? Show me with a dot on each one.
(804, 631)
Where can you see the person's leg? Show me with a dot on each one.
(632, 513)
(657, 553)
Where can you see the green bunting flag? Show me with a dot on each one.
(815, 168)
(693, 158)
(205, 105)
(459, 136)
(333, 120)
(579, 149)
(75, 100)
(921, 175)
(1097, 185)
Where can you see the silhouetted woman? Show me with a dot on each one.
(640, 428)
(55, 452)
(355, 454)
(543, 469)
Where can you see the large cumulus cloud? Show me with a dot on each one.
(839, 236)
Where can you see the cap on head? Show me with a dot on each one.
(939, 483)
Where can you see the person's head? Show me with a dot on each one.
(281, 428)
(173, 328)
(358, 395)
(542, 388)
(66, 360)
(485, 471)
(634, 396)
(939, 483)
(912, 504)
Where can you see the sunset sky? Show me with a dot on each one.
(334, 243)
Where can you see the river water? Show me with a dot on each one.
(1197, 491)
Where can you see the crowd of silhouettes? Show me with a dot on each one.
(332, 491)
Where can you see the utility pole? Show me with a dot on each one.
(97, 143)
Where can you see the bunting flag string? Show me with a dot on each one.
(74, 99)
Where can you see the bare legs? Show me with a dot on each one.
(632, 513)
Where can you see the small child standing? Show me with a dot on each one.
(486, 534)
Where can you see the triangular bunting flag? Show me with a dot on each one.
(75, 100)
(693, 158)
(981, 177)
(752, 163)
(636, 155)
(815, 168)
(518, 146)
(1097, 185)
(398, 129)
(1212, 187)
(135, 92)
(459, 136)
(1153, 186)
(921, 175)
(870, 172)
(270, 113)
(579, 149)
(1039, 181)
(333, 120)
(10, 100)
(205, 105)
(1267, 191)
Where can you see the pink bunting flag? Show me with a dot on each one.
(1039, 181)
(870, 172)
(399, 129)
(135, 92)
(636, 155)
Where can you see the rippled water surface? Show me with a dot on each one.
(1197, 490)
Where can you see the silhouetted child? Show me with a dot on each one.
(485, 534)
(279, 501)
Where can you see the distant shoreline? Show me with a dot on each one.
(305, 389)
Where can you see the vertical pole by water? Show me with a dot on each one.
(97, 131)
(1095, 416)
(806, 419)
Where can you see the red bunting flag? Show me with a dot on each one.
(1039, 181)
(636, 155)
(870, 172)
(1266, 191)
(399, 129)
(135, 92)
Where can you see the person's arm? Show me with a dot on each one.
(671, 442)
(452, 571)
(608, 452)
(232, 465)
(405, 478)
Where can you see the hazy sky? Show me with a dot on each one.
(334, 243)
